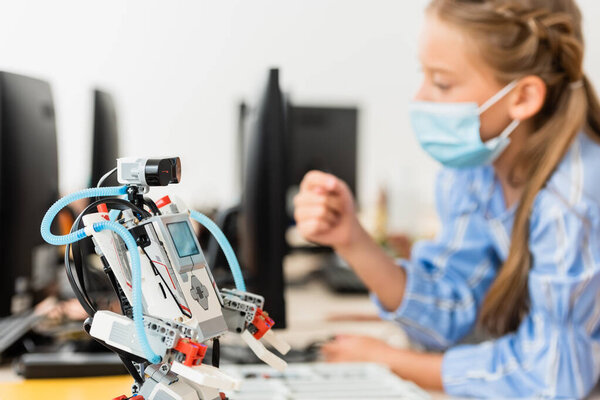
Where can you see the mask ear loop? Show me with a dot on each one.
(495, 98)
(504, 135)
(509, 129)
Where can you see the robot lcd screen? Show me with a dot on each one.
(183, 239)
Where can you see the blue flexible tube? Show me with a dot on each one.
(113, 215)
(225, 246)
(65, 201)
(56, 240)
(136, 275)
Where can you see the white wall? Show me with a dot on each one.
(177, 70)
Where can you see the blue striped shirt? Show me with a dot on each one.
(555, 352)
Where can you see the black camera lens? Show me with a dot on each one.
(161, 172)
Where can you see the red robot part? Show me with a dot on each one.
(103, 210)
(194, 352)
(262, 322)
(163, 201)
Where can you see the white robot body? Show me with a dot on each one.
(174, 272)
(187, 271)
(162, 333)
(181, 304)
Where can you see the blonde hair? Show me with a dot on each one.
(517, 39)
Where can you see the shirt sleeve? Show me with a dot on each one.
(555, 352)
(447, 278)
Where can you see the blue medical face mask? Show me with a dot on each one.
(449, 132)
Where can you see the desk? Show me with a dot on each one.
(308, 308)
(100, 388)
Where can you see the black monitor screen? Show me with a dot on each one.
(264, 219)
(28, 153)
(323, 138)
(183, 239)
(105, 149)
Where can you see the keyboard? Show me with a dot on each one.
(14, 327)
(320, 381)
(68, 365)
(234, 354)
(342, 279)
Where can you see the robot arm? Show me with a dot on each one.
(172, 341)
(244, 315)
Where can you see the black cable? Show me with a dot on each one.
(126, 307)
(152, 205)
(81, 295)
(131, 369)
(78, 257)
(78, 284)
(187, 314)
(216, 352)
(126, 358)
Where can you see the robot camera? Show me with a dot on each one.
(149, 171)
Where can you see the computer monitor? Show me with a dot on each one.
(263, 213)
(278, 144)
(105, 142)
(28, 184)
(325, 139)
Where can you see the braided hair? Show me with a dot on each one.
(517, 39)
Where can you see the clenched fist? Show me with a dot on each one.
(324, 210)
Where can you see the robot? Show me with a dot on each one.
(171, 305)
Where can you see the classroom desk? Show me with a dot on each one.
(99, 388)
(309, 307)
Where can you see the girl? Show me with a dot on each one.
(506, 108)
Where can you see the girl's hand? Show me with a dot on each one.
(353, 348)
(424, 369)
(324, 210)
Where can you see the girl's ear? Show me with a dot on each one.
(527, 98)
